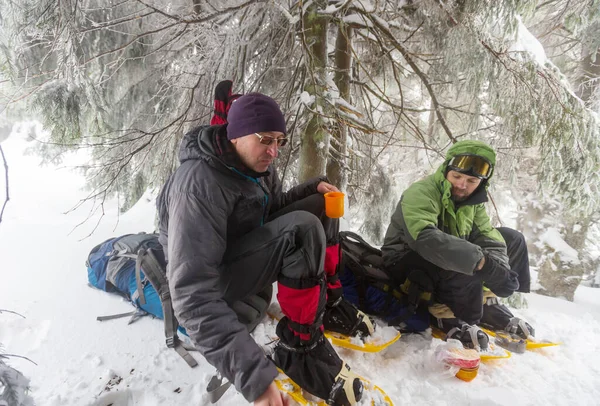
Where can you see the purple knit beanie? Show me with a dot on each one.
(254, 113)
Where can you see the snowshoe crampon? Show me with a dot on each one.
(372, 393)
(530, 344)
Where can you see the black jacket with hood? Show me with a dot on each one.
(208, 203)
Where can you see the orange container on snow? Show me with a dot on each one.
(456, 358)
(467, 374)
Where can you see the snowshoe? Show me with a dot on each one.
(470, 336)
(510, 342)
(530, 343)
(380, 340)
(373, 395)
(344, 318)
(521, 328)
(316, 367)
(497, 316)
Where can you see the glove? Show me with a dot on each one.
(498, 278)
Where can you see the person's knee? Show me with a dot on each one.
(305, 222)
(503, 291)
(512, 237)
(300, 221)
(458, 288)
(308, 233)
(518, 238)
(316, 202)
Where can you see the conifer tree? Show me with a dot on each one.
(369, 88)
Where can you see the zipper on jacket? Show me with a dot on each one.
(265, 197)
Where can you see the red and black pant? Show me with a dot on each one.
(290, 250)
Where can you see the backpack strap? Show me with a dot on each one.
(116, 316)
(140, 283)
(138, 280)
(415, 293)
(217, 387)
(135, 314)
(156, 275)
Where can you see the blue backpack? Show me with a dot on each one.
(134, 266)
(369, 287)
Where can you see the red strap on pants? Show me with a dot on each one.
(332, 260)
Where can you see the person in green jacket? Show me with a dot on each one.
(441, 238)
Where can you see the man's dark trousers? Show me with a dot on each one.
(288, 248)
(462, 293)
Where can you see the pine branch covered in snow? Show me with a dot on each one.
(14, 386)
(126, 80)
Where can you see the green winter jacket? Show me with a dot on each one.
(451, 236)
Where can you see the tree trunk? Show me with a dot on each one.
(336, 166)
(315, 139)
(561, 279)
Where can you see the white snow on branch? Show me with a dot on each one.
(381, 21)
(306, 5)
(292, 19)
(364, 5)
(527, 42)
(332, 8)
(306, 98)
(357, 19)
(552, 238)
(344, 104)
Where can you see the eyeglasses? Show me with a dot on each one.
(473, 165)
(267, 140)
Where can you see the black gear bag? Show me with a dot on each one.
(401, 301)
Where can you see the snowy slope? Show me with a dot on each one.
(85, 362)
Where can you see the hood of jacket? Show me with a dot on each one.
(210, 143)
(472, 147)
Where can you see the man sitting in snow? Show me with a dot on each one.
(440, 236)
(228, 232)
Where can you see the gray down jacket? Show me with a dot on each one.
(207, 204)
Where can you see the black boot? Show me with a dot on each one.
(470, 336)
(315, 367)
(343, 317)
(520, 328)
(496, 317)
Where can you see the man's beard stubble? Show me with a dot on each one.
(459, 199)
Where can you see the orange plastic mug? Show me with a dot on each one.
(334, 204)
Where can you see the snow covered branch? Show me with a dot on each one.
(7, 196)
(14, 386)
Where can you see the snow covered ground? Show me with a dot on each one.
(83, 362)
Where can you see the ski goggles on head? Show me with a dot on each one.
(473, 165)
